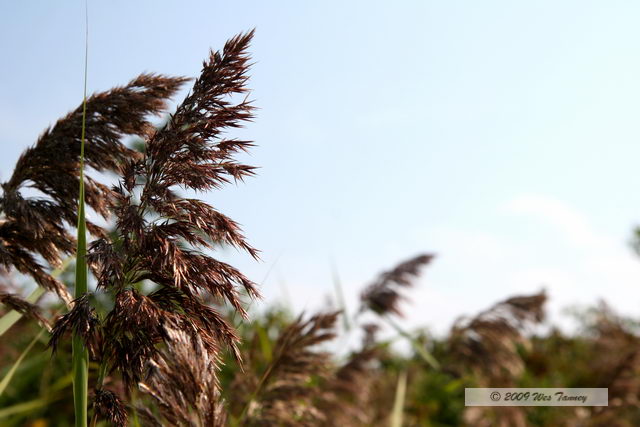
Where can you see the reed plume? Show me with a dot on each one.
(348, 391)
(109, 407)
(487, 346)
(15, 302)
(182, 380)
(82, 321)
(169, 342)
(615, 365)
(285, 394)
(34, 227)
(383, 295)
(487, 343)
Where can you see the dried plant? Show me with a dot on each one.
(81, 320)
(383, 295)
(370, 335)
(487, 345)
(287, 392)
(15, 302)
(169, 342)
(33, 227)
(618, 358)
(160, 235)
(347, 397)
(615, 365)
(183, 382)
(488, 342)
(109, 407)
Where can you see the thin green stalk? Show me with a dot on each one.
(28, 406)
(80, 352)
(7, 378)
(135, 421)
(398, 403)
(258, 389)
(102, 372)
(418, 347)
(265, 342)
(342, 303)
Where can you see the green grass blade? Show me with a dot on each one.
(14, 368)
(398, 403)
(417, 346)
(27, 406)
(265, 342)
(80, 352)
(342, 303)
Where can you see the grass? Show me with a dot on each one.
(14, 368)
(80, 352)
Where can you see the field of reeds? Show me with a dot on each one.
(160, 332)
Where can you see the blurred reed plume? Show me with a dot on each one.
(615, 365)
(488, 346)
(347, 398)
(286, 391)
(296, 381)
(383, 295)
(488, 343)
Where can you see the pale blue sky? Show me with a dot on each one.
(501, 135)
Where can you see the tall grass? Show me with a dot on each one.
(80, 352)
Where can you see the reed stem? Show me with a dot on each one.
(80, 352)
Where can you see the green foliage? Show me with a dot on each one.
(9, 375)
(41, 386)
(432, 398)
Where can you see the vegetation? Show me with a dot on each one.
(163, 342)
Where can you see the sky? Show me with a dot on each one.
(501, 136)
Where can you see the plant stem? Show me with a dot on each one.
(419, 348)
(80, 352)
(14, 368)
(398, 404)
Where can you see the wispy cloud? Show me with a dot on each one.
(548, 244)
(571, 223)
